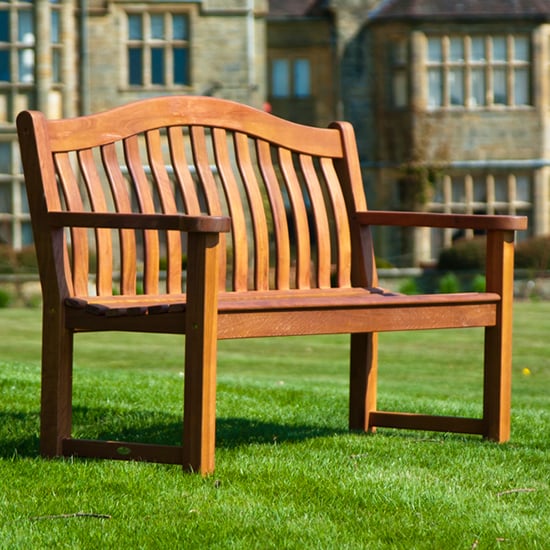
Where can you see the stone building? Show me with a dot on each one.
(70, 57)
(460, 111)
(450, 100)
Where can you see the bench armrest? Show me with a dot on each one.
(117, 220)
(430, 219)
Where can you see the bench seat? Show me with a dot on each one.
(305, 311)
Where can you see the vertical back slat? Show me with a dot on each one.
(209, 187)
(278, 213)
(104, 241)
(204, 170)
(180, 164)
(299, 213)
(151, 252)
(127, 237)
(260, 230)
(168, 204)
(320, 221)
(341, 223)
(234, 203)
(79, 236)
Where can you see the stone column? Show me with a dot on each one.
(69, 65)
(43, 55)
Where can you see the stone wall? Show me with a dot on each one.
(221, 61)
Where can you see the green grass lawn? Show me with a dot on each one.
(288, 474)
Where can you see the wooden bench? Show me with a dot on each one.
(273, 222)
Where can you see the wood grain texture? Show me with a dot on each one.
(130, 210)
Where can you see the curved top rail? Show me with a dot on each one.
(163, 112)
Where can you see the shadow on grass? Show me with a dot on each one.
(19, 434)
(19, 431)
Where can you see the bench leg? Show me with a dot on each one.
(497, 385)
(363, 379)
(56, 388)
(199, 409)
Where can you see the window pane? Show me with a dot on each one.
(5, 197)
(5, 159)
(480, 190)
(135, 62)
(26, 234)
(400, 89)
(457, 49)
(135, 31)
(435, 53)
(280, 84)
(5, 73)
(500, 97)
(56, 66)
(523, 189)
(179, 27)
(499, 48)
(4, 26)
(302, 87)
(181, 66)
(24, 200)
(478, 49)
(399, 52)
(521, 87)
(157, 65)
(456, 87)
(434, 88)
(477, 93)
(458, 190)
(55, 27)
(501, 190)
(521, 48)
(157, 26)
(25, 31)
(26, 65)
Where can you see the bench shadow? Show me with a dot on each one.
(19, 432)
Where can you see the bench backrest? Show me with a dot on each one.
(290, 191)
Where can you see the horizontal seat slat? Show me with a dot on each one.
(338, 298)
(274, 300)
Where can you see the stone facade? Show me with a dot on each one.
(227, 51)
(342, 64)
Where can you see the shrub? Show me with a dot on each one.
(464, 254)
(479, 283)
(5, 298)
(382, 263)
(409, 287)
(449, 283)
(533, 253)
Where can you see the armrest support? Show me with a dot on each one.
(430, 219)
(117, 220)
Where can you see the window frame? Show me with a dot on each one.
(508, 191)
(162, 48)
(399, 83)
(482, 78)
(293, 82)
